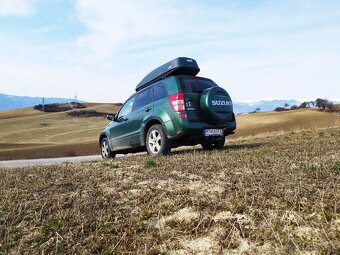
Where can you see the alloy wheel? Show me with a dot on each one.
(155, 141)
(105, 149)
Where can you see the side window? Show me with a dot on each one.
(159, 91)
(126, 108)
(142, 99)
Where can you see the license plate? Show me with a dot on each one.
(213, 132)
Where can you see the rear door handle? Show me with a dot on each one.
(148, 109)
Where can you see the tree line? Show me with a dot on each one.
(322, 104)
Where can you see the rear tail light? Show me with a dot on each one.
(177, 102)
(182, 115)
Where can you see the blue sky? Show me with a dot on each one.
(100, 49)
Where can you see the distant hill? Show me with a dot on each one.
(8, 102)
(264, 105)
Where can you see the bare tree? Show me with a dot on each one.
(330, 107)
(303, 105)
(321, 103)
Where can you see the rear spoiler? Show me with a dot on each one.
(178, 66)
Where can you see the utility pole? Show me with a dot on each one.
(75, 100)
(42, 123)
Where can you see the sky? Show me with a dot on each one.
(100, 49)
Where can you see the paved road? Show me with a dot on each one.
(46, 161)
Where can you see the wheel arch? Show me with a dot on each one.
(101, 137)
(149, 124)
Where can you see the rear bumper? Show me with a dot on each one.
(195, 129)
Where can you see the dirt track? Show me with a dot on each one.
(47, 161)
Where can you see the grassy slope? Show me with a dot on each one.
(254, 124)
(275, 194)
(22, 136)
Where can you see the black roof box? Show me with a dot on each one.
(178, 66)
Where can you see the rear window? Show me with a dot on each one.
(190, 84)
(159, 91)
(142, 99)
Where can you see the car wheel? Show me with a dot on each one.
(207, 146)
(157, 142)
(105, 149)
(219, 144)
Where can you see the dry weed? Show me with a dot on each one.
(266, 195)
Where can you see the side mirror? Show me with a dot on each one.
(111, 117)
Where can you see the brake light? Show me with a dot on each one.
(177, 102)
(182, 115)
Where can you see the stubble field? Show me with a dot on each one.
(264, 194)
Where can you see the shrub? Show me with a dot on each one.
(78, 105)
(281, 109)
(150, 163)
(330, 107)
(303, 105)
(53, 107)
(87, 114)
(58, 107)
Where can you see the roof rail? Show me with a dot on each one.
(178, 66)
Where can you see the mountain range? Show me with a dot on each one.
(8, 102)
(263, 105)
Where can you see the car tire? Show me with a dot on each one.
(207, 145)
(157, 143)
(105, 150)
(218, 145)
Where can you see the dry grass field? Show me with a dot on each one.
(264, 194)
(268, 122)
(22, 136)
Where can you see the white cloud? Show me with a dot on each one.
(123, 27)
(16, 7)
(112, 24)
(286, 50)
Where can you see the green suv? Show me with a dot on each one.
(171, 107)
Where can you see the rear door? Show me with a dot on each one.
(192, 87)
(142, 110)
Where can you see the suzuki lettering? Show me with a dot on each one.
(220, 102)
